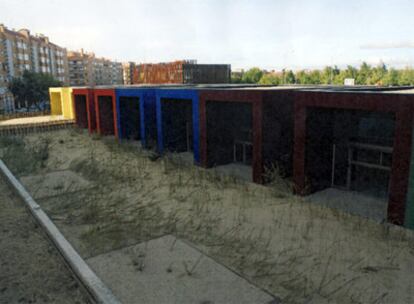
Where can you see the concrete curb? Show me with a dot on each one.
(99, 291)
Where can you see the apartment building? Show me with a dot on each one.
(81, 68)
(85, 69)
(20, 51)
(108, 72)
(128, 72)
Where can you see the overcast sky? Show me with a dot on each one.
(270, 34)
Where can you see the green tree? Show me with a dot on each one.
(406, 77)
(270, 79)
(302, 77)
(315, 77)
(290, 77)
(351, 72)
(328, 74)
(363, 74)
(236, 77)
(392, 77)
(32, 89)
(377, 75)
(340, 77)
(252, 76)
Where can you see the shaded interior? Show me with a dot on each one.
(92, 114)
(129, 114)
(349, 149)
(277, 139)
(177, 124)
(81, 113)
(229, 133)
(106, 115)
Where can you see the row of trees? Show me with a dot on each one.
(364, 75)
(32, 89)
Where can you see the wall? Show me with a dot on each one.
(171, 72)
(67, 103)
(55, 103)
(409, 213)
(206, 73)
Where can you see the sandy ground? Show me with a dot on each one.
(54, 184)
(301, 252)
(30, 269)
(30, 120)
(239, 171)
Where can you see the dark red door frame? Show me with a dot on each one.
(108, 93)
(255, 97)
(400, 104)
(90, 106)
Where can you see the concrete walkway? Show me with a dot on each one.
(168, 270)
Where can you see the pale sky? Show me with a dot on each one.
(270, 34)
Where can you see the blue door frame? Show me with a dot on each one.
(179, 94)
(146, 108)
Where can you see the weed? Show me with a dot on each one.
(191, 270)
(138, 257)
(25, 159)
(276, 179)
(92, 213)
(7, 141)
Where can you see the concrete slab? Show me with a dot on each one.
(157, 272)
(31, 120)
(353, 202)
(237, 170)
(54, 183)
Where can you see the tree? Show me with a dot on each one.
(252, 76)
(406, 77)
(270, 79)
(32, 89)
(351, 72)
(328, 74)
(392, 78)
(315, 77)
(377, 75)
(236, 77)
(302, 77)
(363, 74)
(290, 77)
